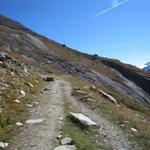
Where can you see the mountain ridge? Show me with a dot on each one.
(147, 67)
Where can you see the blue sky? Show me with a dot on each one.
(111, 28)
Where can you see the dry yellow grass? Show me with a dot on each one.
(11, 112)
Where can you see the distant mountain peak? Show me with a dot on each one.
(147, 67)
(148, 64)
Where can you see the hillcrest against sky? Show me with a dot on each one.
(112, 28)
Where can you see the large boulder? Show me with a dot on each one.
(86, 121)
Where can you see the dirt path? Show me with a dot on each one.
(42, 136)
(109, 134)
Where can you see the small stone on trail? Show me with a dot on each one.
(93, 87)
(60, 121)
(19, 124)
(48, 78)
(29, 84)
(36, 81)
(76, 88)
(66, 147)
(36, 103)
(17, 101)
(46, 89)
(2, 56)
(126, 121)
(22, 92)
(29, 105)
(90, 100)
(66, 140)
(59, 136)
(34, 121)
(3, 145)
(134, 130)
(12, 73)
(25, 70)
(117, 105)
(122, 125)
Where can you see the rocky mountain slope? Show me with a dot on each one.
(122, 79)
(116, 96)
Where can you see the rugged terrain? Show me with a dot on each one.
(43, 136)
(27, 56)
(121, 78)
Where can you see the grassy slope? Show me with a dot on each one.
(12, 81)
(12, 111)
(83, 137)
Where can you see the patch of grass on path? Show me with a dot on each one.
(84, 138)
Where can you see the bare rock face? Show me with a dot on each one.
(83, 119)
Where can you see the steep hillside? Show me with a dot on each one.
(92, 103)
(121, 80)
